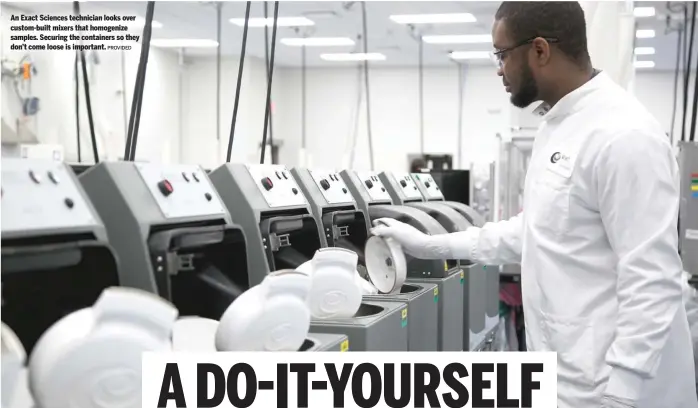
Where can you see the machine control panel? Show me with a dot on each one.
(276, 185)
(332, 187)
(373, 185)
(407, 185)
(41, 194)
(181, 190)
(432, 191)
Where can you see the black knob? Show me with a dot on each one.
(267, 184)
(403, 183)
(69, 203)
(208, 196)
(345, 190)
(325, 184)
(165, 187)
(426, 184)
(295, 190)
(369, 183)
(383, 189)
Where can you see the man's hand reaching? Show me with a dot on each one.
(413, 241)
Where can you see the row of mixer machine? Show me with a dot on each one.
(246, 257)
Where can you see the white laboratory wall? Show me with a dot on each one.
(54, 85)
(333, 125)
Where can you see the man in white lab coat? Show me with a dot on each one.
(597, 237)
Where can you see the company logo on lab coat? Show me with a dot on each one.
(557, 156)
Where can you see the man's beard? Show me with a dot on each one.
(528, 93)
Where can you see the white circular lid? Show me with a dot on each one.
(386, 264)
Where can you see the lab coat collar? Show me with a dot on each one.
(574, 100)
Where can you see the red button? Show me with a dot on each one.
(267, 184)
(165, 187)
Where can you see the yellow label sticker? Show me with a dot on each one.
(404, 313)
(436, 291)
(344, 346)
(694, 188)
(445, 266)
(462, 275)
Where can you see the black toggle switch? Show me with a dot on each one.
(295, 190)
(426, 184)
(369, 184)
(69, 203)
(208, 196)
(325, 184)
(165, 188)
(267, 184)
(403, 183)
(345, 190)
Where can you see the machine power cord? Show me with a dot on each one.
(366, 85)
(88, 101)
(692, 133)
(77, 106)
(266, 64)
(677, 68)
(134, 121)
(239, 82)
(688, 43)
(267, 107)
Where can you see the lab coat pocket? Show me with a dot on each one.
(573, 340)
(552, 204)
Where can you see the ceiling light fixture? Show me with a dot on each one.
(140, 22)
(458, 39)
(644, 34)
(317, 41)
(269, 22)
(644, 51)
(469, 55)
(356, 56)
(643, 11)
(433, 18)
(183, 43)
(643, 64)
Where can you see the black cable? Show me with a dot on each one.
(303, 101)
(676, 86)
(271, 76)
(421, 95)
(266, 64)
(692, 134)
(77, 106)
(366, 84)
(687, 72)
(140, 82)
(219, 24)
(88, 101)
(239, 83)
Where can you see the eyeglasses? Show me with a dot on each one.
(497, 55)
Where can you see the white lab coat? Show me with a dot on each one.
(597, 242)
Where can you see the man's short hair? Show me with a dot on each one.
(563, 20)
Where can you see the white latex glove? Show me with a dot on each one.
(413, 241)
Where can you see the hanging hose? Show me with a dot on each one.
(88, 101)
(219, 18)
(303, 69)
(134, 121)
(270, 77)
(461, 90)
(77, 105)
(421, 95)
(266, 64)
(692, 134)
(239, 83)
(687, 69)
(366, 85)
(676, 85)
